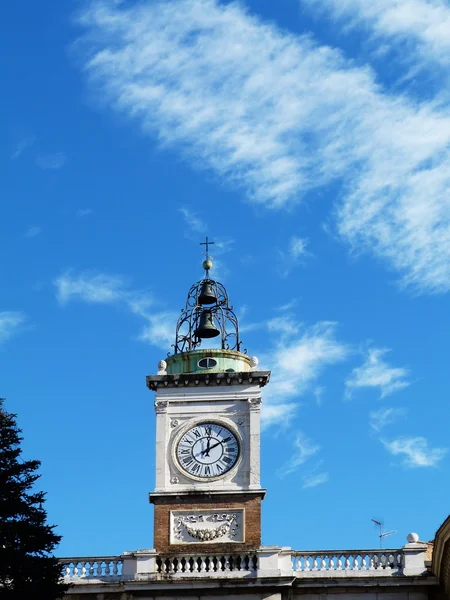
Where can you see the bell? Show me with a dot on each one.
(206, 295)
(206, 327)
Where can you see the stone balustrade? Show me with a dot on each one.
(214, 564)
(268, 561)
(349, 562)
(99, 567)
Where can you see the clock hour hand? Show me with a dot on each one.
(215, 445)
(208, 448)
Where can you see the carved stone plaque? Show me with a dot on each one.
(207, 526)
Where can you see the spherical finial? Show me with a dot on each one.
(162, 365)
(207, 264)
(412, 538)
(254, 362)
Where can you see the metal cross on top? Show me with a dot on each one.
(207, 243)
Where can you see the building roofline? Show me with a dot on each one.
(260, 378)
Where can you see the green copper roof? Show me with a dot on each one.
(208, 361)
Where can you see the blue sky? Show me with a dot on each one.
(310, 140)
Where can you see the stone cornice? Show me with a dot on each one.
(194, 496)
(154, 382)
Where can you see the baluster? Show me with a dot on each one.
(371, 563)
(339, 563)
(364, 564)
(237, 563)
(171, 565)
(99, 568)
(383, 561)
(214, 564)
(240, 562)
(315, 563)
(75, 570)
(115, 567)
(304, 562)
(347, 563)
(248, 563)
(202, 564)
(227, 563)
(67, 571)
(83, 569)
(91, 568)
(391, 561)
(323, 564)
(355, 563)
(331, 565)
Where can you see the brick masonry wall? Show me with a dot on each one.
(164, 505)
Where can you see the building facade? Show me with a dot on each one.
(208, 495)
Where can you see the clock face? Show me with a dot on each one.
(207, 450)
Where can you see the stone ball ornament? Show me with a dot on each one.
(162, 366)
(254, 362)
(207, 264)
(412, 538)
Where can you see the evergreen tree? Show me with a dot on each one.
(27, 567)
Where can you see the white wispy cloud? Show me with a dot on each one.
(377, 373)
(416, 451)
(385, 416)
(298, 361)
(284, 325)
(298, 358)
(423, 24)
(51, 161)
(22, 145)
(318, 394)
(277, 414)
(304, 449)
(192, 220)
(84, 212)
(223, 246)
(160, 329)
(96, 288)
(288, 306)
(310, 481)
(297, 247)
(11, 323)
(33, 231)
(295, 254)
(101, 288)
(278, 115)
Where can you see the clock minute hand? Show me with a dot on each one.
(217, 444)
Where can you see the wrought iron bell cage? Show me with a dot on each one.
(222, 316)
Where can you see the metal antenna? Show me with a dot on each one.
(382, 533)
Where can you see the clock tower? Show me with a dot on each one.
(208, 494)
